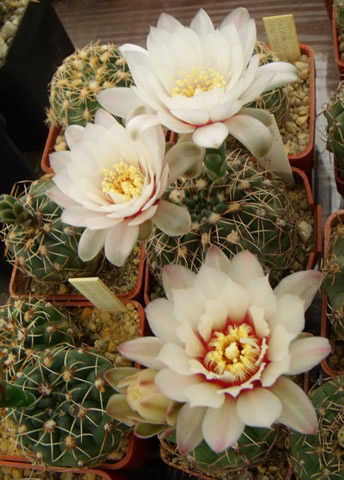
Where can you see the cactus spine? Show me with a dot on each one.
(67, 424)
(321, 456)
(45, 248)
(82, 75)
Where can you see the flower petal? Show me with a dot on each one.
(176, 276)
(298, 412)
(143, 350)
(258, 407)
(90, 244)
(189, 428)
(118, 408)
(119, 243)
(304, 284)
(221, 426)
(211, 136)
(262, 295)
(243, 267)
(216, 258)
(172, 219)
(307, 352)
(204, 394)
(279, 343)
(161, 319)
(290, 313)
(174, 357)
(119, 100)
(173, 384)
(201, 23)
(115, 375)
(184, 159)
(274, 370)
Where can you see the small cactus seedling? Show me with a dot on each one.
(43, 246)
(67, 425)
(28, 325)
(82, 75)
(321, 456)
(333, 284)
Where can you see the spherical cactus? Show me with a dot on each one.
(82, 75)
(30, 325)
(67, 424)
(334, 114)
(333, 284)
(321, 456)
(247, 209)
(276, 101)
(45, 248)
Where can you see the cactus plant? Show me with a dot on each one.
(246, 209)
(339, 12)
(333, 270)
(321, 456)
(334, 114)
(67, 424)
(80, 78)
(29, 325)
(45, 248)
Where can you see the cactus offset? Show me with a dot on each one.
(247, 209)
(82, 75)
(45, 248)
(28, 325)
(321, 456)
(67, 424)
(333, 270)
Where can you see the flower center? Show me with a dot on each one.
(124, 179)
(236, 350)
(199, 80)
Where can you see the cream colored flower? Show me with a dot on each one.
(224, 343)
(197, 80)
(112, 183)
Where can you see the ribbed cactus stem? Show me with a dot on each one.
(340, 437)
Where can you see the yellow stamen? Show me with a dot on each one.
(127, 180)
(199, 80)
(236, 352)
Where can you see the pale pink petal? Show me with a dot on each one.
(143, 350)
(101, 222)
(188, 305)
(235, 300)
(306, 353)
(290, 313)
(189, 428)
(143, 216)
(216, 258)
(214, 318)
(243, 267)
(262, 295)
(167, 22)
(118, 408)
(60, 198)
(298, 412)
(204, 394)
(223, 111)
(174, 357)
(192, 116)
(59, 160)
(261, 327)
(209, 280)
(252, 133)
(279, 343)
(192, 344)
(173, 384)
(176, 276)
(118, 100)
(102, 117)
(119, 243)
(258, 407)
(137, 125)
(222, 426)
(172, 219)
(174, 124)
(304, 284)
(161, 320)
(90, 244)
(274, 370)
(74, 134)
(210, 136)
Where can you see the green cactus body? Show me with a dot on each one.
(45, 248)
(80, 78)
(67, 424)
(334, 114)
(339, 12)
(276, 101)
(321, 456)
(252, 448)
(30, 325)
(248, 209)
(333, 270)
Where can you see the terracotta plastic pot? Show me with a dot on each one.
(54, 132)
(300, 177)
(15, 462)
(339, 62)
(331, 221)
(20, 286)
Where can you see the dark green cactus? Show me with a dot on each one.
(321, 456)
(30, 325)
(339, 12)
(247, 209)
(80, 78)
(276, 101)
(334, 114)
(252, 448)
(34, 235)
(67, 424)
(333, 284)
